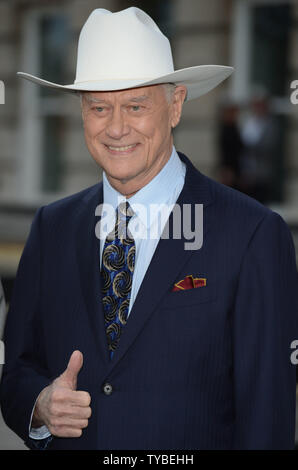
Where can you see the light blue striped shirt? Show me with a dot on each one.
(151, 205)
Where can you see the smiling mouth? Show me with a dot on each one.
(125, 148)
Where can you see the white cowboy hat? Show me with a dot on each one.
(126, 49)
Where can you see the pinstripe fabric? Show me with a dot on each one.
(205, 368)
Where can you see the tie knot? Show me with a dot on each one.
(125, 209)
(121, 231)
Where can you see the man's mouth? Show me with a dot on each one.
(126, 148)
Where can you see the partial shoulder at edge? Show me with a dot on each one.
(231, 199)
(74, 199)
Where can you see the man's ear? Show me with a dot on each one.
(177, 104)
(82, 104)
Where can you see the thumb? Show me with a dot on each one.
(69, 376)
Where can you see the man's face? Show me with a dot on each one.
(128, 132)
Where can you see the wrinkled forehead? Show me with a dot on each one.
(138, 95)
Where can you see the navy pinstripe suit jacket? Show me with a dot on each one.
(205, 368)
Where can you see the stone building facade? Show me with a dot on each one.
(42, 153)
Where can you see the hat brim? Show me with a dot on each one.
(199, 80)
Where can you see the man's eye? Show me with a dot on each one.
(99, 109)
(136, 108)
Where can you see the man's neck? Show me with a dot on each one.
(130, 187)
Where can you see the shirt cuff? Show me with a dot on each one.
(38, 433)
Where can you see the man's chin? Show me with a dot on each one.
(123, 179)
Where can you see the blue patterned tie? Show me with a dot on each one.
(118, 259)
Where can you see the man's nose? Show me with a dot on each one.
(117, 126)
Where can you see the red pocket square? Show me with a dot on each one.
(189, 282)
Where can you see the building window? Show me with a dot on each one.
(45, 49)
(54, 36)
(270, 42)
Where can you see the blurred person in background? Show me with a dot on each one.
(260, 136)
(123, 342)
(230, 144)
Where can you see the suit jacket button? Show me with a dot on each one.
(107, 389)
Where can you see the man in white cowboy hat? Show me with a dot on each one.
(118, 339)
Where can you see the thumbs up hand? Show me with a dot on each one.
(69, 377)
(64, 410)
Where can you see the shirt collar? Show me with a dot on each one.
(155, 192)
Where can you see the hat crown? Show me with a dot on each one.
(126, 44)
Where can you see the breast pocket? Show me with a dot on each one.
(187, 297)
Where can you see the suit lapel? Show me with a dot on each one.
(168, 260)
(88, 256)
